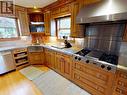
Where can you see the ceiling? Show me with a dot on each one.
(32, 3)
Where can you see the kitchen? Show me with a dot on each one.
(63, 47)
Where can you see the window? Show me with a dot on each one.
(63, 27)
(8, 28)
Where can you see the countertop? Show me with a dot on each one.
(69, 51)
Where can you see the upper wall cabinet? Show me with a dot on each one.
(76, 30)
(36, 17)
(87, 2)
(61, 11)
(22, 16)
(47, 20)
(36, 23)
(125, 34)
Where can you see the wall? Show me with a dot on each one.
(25, 40)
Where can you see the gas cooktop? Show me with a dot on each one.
(105, 61)
(98, 55)
(83, 52)
(113, 59)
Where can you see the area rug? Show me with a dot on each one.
(51, 83)
(31, 72)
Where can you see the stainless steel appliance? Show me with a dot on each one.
(94, 57)
(6, 62)
(35, 48)
(104, 24)
(103, 11)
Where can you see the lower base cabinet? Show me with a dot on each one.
(93, 79)
(50, 58)
(63, 64)
(36, 58)
(120, 87)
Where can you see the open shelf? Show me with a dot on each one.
(20, 57)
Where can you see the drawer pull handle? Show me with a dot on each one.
(78, 77)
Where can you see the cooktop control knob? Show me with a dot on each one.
(76, 57)
(109, 68)
(79, 58)
(87, 61)
(102, 66)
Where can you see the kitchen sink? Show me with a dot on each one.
(35, 48)
(58, 47)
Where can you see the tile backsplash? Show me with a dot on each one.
(24, 40)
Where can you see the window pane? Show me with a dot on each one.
(63, 27)
(64, 33)
(65, 22)
(8, 28)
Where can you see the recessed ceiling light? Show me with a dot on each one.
(35, 7)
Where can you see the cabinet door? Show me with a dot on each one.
(67, 67)
(125, 34)
(58, 63)
(48, 59)
(36, 58)
(76, 30)
(23, 21)
(47, 23)
(52, 59)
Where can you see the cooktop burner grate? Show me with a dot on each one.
(113, 59)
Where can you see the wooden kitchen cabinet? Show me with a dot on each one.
(23, 22)
(20, 56)
(125, 34)
(120, 87)
(93, 79)
(49, 58)
(47, 21)
(36, 58)
(61, 11)
(76, 30)
(63, 64)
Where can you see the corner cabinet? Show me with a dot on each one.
(47, 18)
(76, 30)
(23, 22)
(36, 58)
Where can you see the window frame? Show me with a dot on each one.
(17, 29)
(58, 29)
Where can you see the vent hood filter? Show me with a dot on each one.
(105, 10)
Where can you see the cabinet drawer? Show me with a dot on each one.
(122, 83)
(19, 50)
(63, 55)
(94, 88)
(123, 75)
(120, 91)
(84, 69)
(49, 51)
(59, 54)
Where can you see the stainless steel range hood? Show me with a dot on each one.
(105, 10)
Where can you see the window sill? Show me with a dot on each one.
(62, 40)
